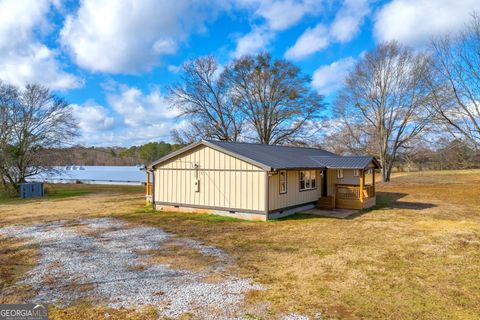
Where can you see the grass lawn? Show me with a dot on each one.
(417, 255)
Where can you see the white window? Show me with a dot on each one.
(282, 180)
(308, 180)
(340, 174)
(356, 173)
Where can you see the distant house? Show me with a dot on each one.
(259, 182)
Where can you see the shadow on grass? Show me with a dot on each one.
(385, 201)
(301, 216)
(390, 200)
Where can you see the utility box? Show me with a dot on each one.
(31, 190)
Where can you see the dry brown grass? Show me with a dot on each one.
(72, 202)
(418, 256)
(178, 256)
(88, 311)
(16, 259)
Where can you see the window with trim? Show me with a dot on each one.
(356, 173)
(308, 180)
(282, 180)
(340, 174)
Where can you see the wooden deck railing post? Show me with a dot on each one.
(373, 180)
(361, 184)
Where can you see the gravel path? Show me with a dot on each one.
(97, 260)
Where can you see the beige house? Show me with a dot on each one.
(259, 182)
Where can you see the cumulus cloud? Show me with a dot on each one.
(329, 78)
(345, 26)
(92, 117)
(23, 57)
(138, 109)
(132, 35)
(311, 41)
(253, 42)
(349, 19)
(277, 16)
(132, 116)
(281, 15)
(415, 22)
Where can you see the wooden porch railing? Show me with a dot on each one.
(352, 192)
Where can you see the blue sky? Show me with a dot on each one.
(113, 60)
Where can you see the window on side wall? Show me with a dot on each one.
(340, 174)
(282, 180)
(356, 173)
(308, 180)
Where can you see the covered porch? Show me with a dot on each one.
(349, 186)
(361, 196)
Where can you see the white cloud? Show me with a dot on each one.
(131, 117)
(281, 15)
(278, 16)
(139, 109)
(24, 58)
(253, 42)
(415, 22)
(344, 28)
(329, 78)
(311, 41)
(349, 19)
(174, 69)
(126, 136)
(131, 35)
(92, 117)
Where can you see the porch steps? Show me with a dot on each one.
(327, 202)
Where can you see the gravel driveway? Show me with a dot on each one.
(98, 260)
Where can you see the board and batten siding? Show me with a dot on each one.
(293, 196)
(225, 181)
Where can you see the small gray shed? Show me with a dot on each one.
(31, 190)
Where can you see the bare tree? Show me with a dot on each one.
(202, 99)
(456, 89)
(384, 101)
(36, 120)
(276, 99)
(8, 98)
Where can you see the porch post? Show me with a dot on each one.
(373, 180)
(147, 186)
(361, 184)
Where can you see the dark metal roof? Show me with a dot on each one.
(346, 162)
(271, 157)
(275, 156)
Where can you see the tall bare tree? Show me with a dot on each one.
(456, 89)
(202, 99)
(275, 98)
(36, 120)
(8, 99)
(384, 101)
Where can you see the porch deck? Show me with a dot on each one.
(354, 197)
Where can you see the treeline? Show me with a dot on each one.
(396, 103)
(410, 108)
(110, 156)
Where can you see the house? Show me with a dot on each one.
(258, 181)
